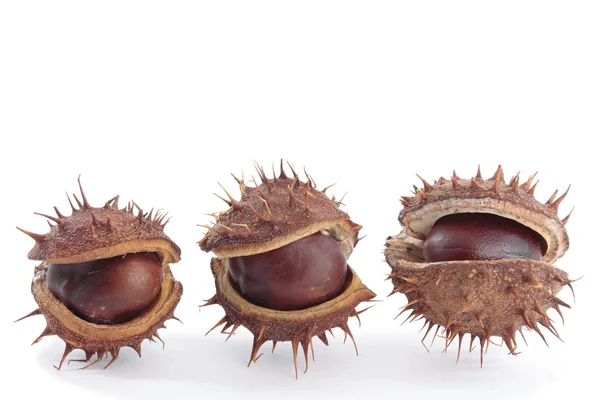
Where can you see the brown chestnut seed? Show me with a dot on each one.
(299, 275)
(104, 281)
(478, 236)
(108, 291)
(475, 257)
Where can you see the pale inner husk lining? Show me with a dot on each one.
(422, 220)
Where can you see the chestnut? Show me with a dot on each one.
(108, 291)
(298, 275)
(481, 236)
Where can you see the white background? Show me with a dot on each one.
(157, 101)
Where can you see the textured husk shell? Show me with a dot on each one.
(270, 215)
(299, 326)
(492, 196)
(104, 339)
(97, 233)
(277, 212)
(483, 298)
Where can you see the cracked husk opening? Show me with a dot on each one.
(344, 231)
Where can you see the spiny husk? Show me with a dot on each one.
(299, 326)
(91, 233)
(493, 196)
(103, 339)
(483, 298)
(270, 215)
(274, 213)
(97, 233)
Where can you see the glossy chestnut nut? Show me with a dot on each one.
(108, 291)
(481, 236)
(299, 275)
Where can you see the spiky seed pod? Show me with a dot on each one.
(93, 234)
(270, 218)
(478, 295)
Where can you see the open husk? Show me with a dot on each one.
(91, 233)
(480, 298)
(269, 215)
